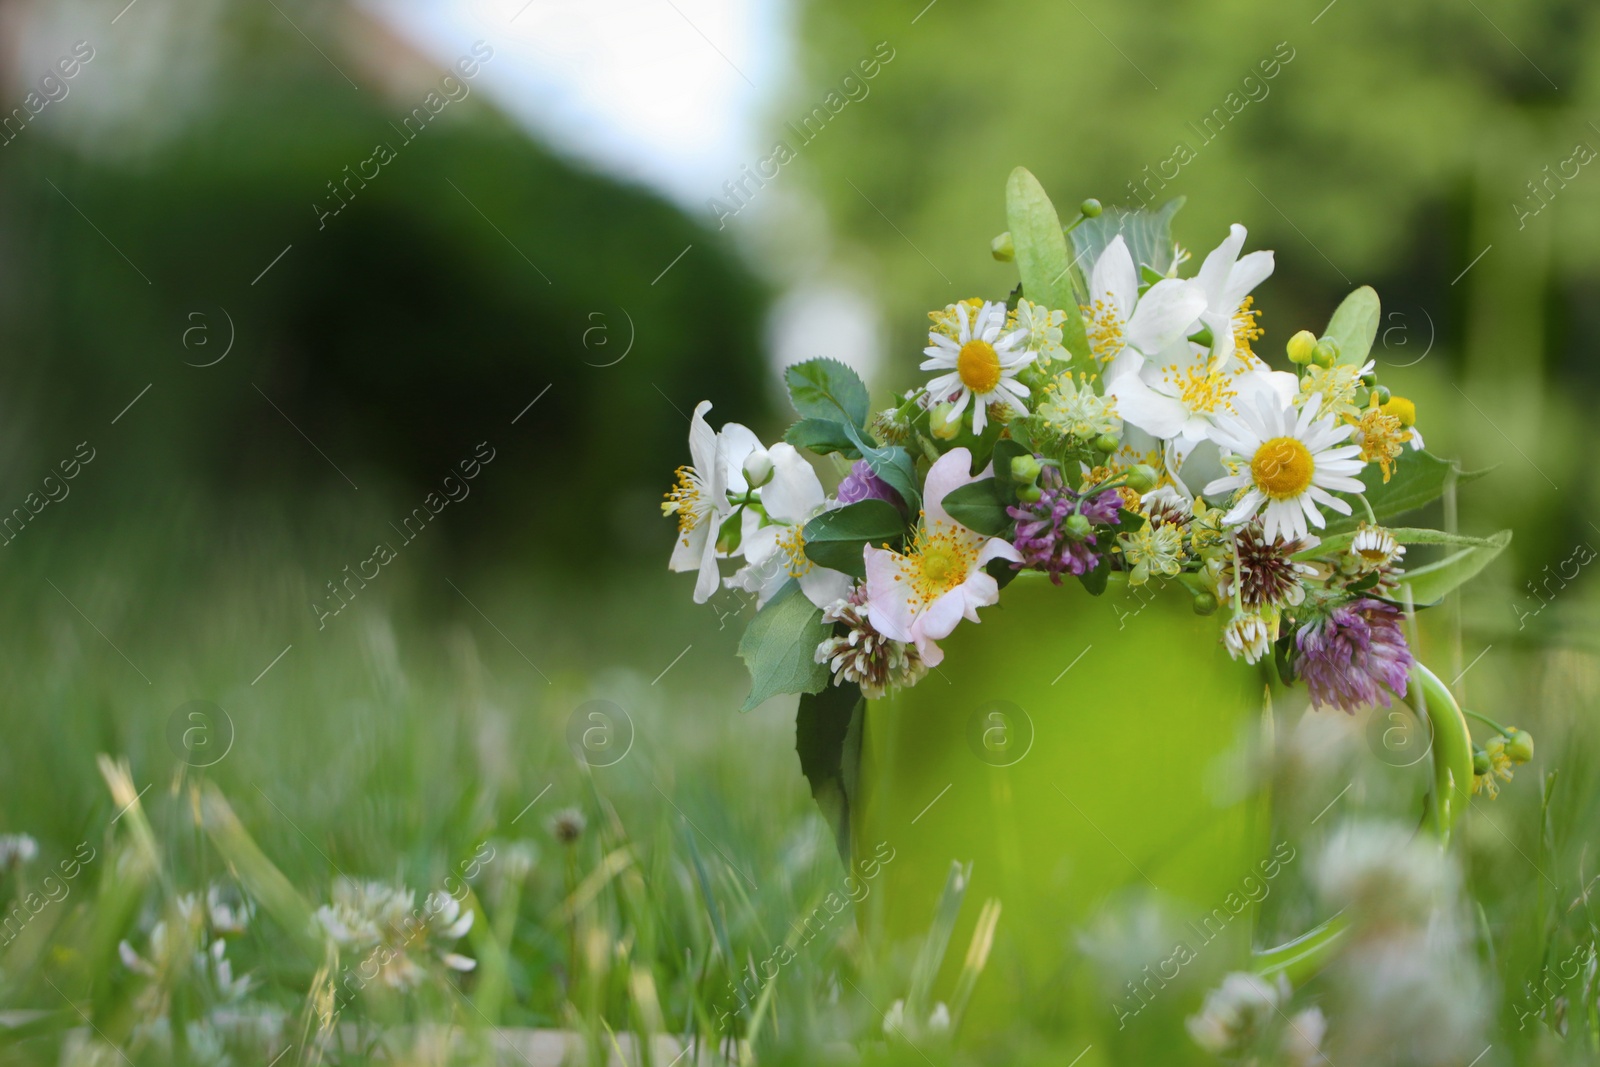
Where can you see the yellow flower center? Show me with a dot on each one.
(792, 543)
(979, 366)
(941, 558)
(1203, 390)
(1282, 468)
(1104, 329)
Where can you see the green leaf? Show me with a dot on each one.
(1404, 535)
(1148, 235)
(779, 644)
(1432, 583)
(1005, 450)
(1418, 478)
(822, 436)
(1044, 260)
(977, 506)
(893, 464)
(835, 538)
(827, 729)
(827, 389)
(1355, 324)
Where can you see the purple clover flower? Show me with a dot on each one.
(862, 484)
(1345, 655)
(1042, 539)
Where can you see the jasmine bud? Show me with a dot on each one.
(1107, 443)
(1090, 208)
(1205, 602)
(1002, 249)
(1142, 478)
(1301, 347)
(1025, 469)
(1520, 746)
(1326, 353)
(941, 425)
(758, 468)
(1077, 526)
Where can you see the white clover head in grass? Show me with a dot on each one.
(775, 550)
(700, 499)
(1288, 463)
(1118, 319)
(1226, 279)
(387, 938)
(920, 596)
(979, 364)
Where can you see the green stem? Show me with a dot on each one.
(1501, 730)
(1367, 504)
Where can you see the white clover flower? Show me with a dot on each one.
(385, 934)
(1383, 872)
(1238, 1013)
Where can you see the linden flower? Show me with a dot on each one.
(919, 597)
(1120, 319)
(1041, 329)
(981, 364)
(776, 551)
(1226, 278)
(1073, 409)
(1291, 459)
(1152, 550)
(1337, 385)
(700, 499)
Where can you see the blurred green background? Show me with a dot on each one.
(1436, 150)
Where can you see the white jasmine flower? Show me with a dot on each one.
(700, 499)
(981, 364)
(1177, 394)
(1118, 318)
(1227, 279)
(919, 597)
(1289, 460)
(776, 550)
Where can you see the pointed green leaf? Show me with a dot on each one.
(893, 464)
(779, 644)
(977, 506)
(828, 739)
(1418, 478)
(827, 389)
(1148, 235)
(835, 538)
(822, 436)
(1044, 259)
(1355, 324)
(1432, 583)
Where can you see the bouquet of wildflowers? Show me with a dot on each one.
(1115, 415)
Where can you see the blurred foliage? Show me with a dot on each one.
(472, 273)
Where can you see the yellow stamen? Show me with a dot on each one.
(941, 558)
(1103, 326)
(1245, 329)
(686, 500)
(792, 543)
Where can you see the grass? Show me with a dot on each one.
(421, 739)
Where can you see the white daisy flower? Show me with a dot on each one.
(776, 551)
(700, 499)
(1288, 461)
(1374, 547)
(981, 365)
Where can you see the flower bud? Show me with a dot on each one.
(1002, 248)
(1090, 208)
(1370, 379)
(1381, 394)
(1301, 347)
(1029, 494)
(1025, 469)
(1480, 761)
(758, 468)
(1205, 602)
(1077, 526)
(1326, 353)
(1107, 443)
(1141, 478)
(941, 425)
(1520, 746)
(1402, 409)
